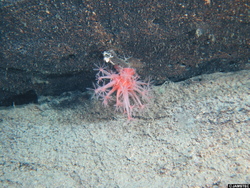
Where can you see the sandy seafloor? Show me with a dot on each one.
(196, 134)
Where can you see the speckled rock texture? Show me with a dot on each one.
(50, 47)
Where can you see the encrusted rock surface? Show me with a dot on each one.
(49, 47)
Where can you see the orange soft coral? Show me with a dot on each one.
(131, 93)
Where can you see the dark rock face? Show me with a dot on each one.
(49, 47)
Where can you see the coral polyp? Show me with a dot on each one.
(123, 85)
